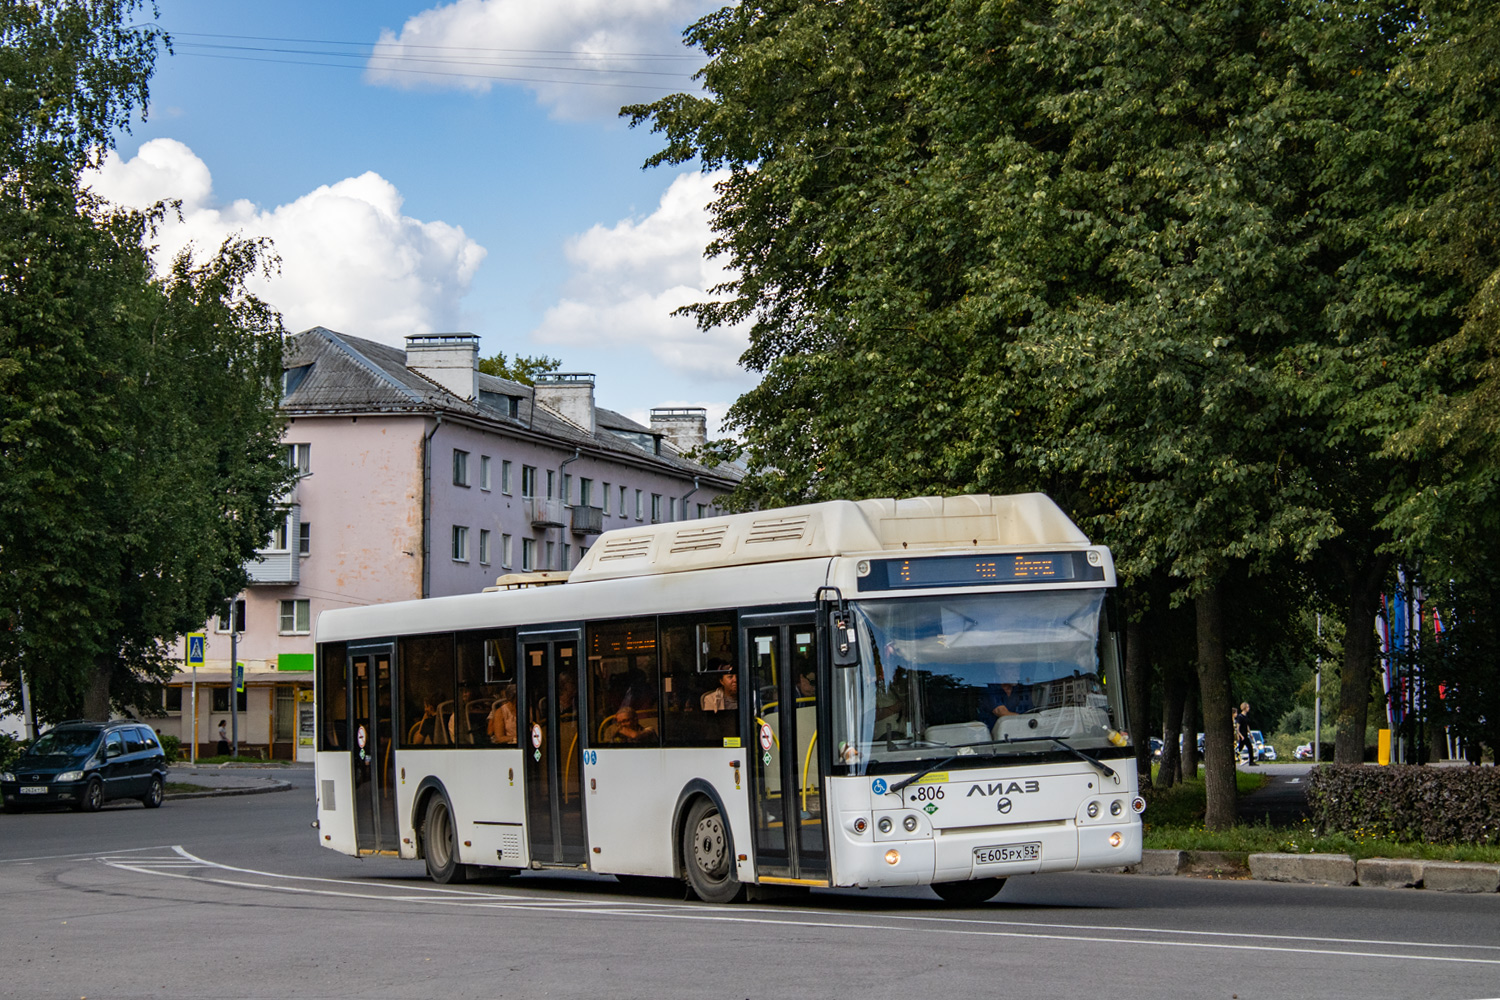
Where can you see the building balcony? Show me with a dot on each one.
(588, 520)
(274, 568)
(548, 513)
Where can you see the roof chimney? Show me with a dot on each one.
(570, 394)
(685, 427)
(449, 359)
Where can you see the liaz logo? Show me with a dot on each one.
(1001, 788)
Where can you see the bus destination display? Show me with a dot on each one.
(965, 571)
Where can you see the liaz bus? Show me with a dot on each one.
(874, 693)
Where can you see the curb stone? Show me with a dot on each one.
(1216, 864)
(1390, 873)
(1319, 869)
(1159, 863)
(1453, 876)
(272, 786)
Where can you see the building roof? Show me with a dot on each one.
(352, 375)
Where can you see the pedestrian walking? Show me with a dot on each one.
(223, 748)
(1245, 742)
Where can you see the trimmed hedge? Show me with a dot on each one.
(1442, 805)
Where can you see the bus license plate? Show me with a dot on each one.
(33, 789)
(1007, 852)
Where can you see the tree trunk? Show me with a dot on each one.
(96, 695)
(1190, 732)
(1363, 580)
(1213, 685)
(1137, 680)
(1171, 727)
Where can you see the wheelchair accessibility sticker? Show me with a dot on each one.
(878, 786)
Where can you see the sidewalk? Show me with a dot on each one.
(227, 779)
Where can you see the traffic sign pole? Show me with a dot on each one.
(197, 645)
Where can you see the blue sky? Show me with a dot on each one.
(415, 194)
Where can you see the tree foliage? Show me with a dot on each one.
(523, 368)
(1158, 261)
(139, 458)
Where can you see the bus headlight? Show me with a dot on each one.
(884, 824)
(910, 823)
(892, 857)
(1093, 810)
(1116, 807)
(1115, 840)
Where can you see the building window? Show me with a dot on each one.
(222, 625)
(567, 553)
(505, 476)
(506, 551)
(304, 538)
(622, 502)
(460, 543)
(638, 505)
(551, 555)
(606, 498)
(484, 546)
(702, 511)
(528, 481)
(671, 508)
(460, 468)
(299, 457)
(567, 489)
(551, 484)
(585, 492)
(656, 508)
(281, 534)
(484, 472)
(296, 618)
(220, 700)
(528, 554)
(171, 699)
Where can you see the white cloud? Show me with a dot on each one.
(628, 278)
(581, 58)
(349, 259)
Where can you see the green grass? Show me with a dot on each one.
(242, 759)
(1174, 822)
(178, 787)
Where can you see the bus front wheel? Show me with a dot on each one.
(970, 893)
(708, 856)
(440, 844)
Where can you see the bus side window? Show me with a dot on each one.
(426, 690)
(486, 712)
(695, 650)
(624, 679)
(333, 679)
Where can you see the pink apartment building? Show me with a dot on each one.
(423, 477)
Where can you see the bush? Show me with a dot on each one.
(10, 750)
(171, 746)
(1452, 805)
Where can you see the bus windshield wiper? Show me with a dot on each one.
(1095, 762)
(924, 773)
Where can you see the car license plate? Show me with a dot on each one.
(33, 789)
(1003, 853)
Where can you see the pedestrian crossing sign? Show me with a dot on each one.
(195, 644)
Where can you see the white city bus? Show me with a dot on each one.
(880, 693)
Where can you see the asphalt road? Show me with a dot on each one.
(228, 898)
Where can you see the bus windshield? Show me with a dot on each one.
(990, 674)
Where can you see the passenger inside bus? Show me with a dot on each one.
(628, 727)
(726, 695)
(501, 725)
(1004, 698)
(427, 729)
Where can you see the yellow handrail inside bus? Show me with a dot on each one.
(805, 764)
(568, 769)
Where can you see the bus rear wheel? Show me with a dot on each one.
(970, 893)
(708, 855)
(440, 844)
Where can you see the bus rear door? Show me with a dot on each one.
(373, 751)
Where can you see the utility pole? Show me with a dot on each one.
(234, 686)
(1318, 698)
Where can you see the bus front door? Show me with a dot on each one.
(553, 758)
(790, 842)
(375, 830)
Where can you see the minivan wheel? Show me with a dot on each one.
(152, 798)
(93, 797)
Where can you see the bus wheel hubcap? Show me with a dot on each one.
(708, 845)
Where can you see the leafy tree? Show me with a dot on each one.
(139, 458)
(523, 369)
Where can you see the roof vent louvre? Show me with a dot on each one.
(779, 529)
(636, 547)
(699, 539)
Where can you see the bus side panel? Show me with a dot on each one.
(335, 792)
(488, 797)
(631, 794)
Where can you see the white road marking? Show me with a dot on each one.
(181, 864)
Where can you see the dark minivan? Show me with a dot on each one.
(84, 764)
